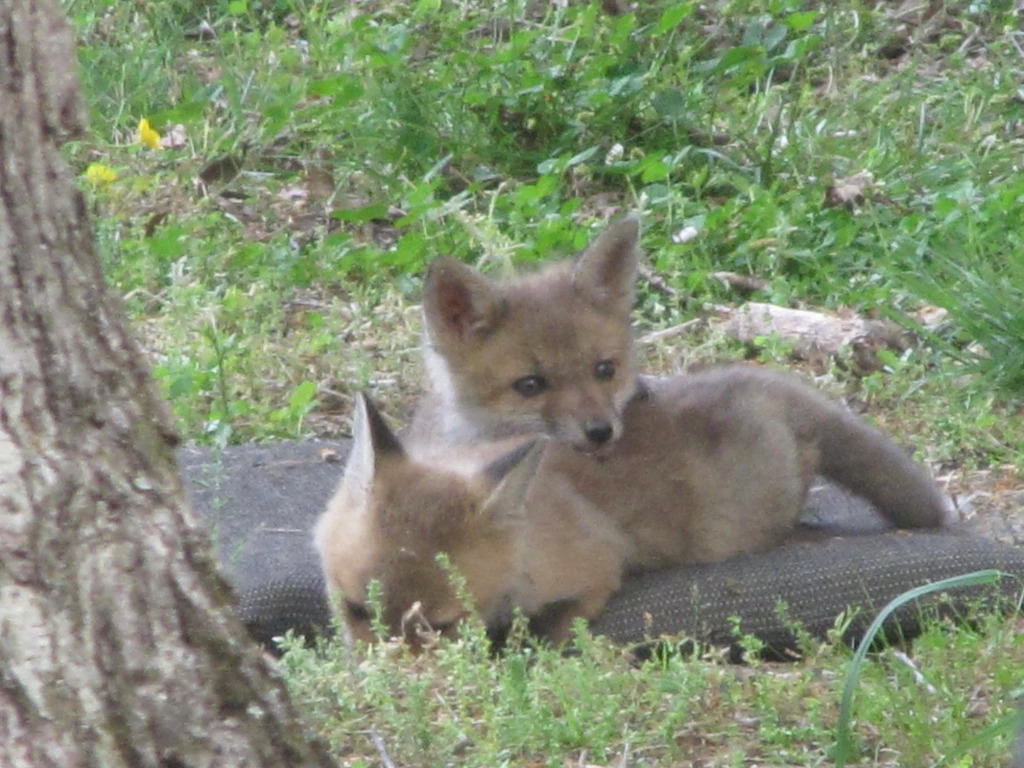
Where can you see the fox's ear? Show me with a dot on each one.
(606, 271)
(372, 442)
(513, 474)
(385, 442)
(459, 301)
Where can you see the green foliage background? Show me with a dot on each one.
(329, 151)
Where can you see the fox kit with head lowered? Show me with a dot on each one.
(694, 467)
(518, 539)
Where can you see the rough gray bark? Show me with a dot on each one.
(116, 644)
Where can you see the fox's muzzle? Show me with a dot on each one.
(598, 431)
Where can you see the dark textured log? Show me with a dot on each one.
(117, 643)
(262, 502)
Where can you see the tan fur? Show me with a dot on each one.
(510, 538)
(719, 463)
(562, 322)
(693, 468)
(701, 467)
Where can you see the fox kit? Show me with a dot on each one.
(517, 541)
(694, 467)
(549, 352)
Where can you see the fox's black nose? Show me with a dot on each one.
(598, 431)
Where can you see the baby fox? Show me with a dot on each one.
(694, 467)
(548, 352)
(517, 540)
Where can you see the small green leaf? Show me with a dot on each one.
(302, 396)
(424, 7)
(180, 385)
(582, 157)
(344, 89)
(774, 36)
(365, 213)
(654, 169)
(672, 16)
(670, 104)
(624, 86)
(553, 165)
(798, 22)
(742, 54)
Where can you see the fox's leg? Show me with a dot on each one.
(554, 623)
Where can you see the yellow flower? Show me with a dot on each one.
(147, 135)
(99, 175)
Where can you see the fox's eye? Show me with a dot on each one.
(604, 370)
(529, 386)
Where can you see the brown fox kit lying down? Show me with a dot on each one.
(518, 539)
(694, 467)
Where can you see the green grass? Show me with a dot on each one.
(535, 707)
(271, 261)
(843, 748)
(328, 153)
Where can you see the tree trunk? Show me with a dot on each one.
(117, 647)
